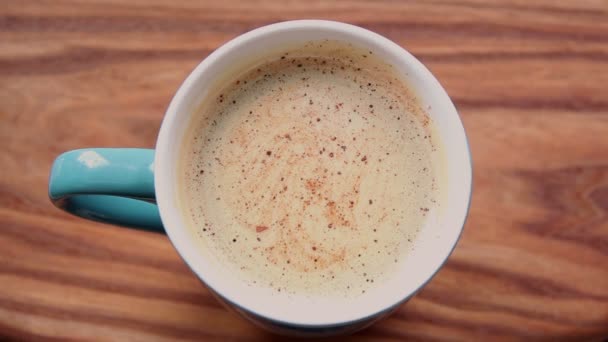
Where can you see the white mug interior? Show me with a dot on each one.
(433, 244)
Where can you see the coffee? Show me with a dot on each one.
(311, 172)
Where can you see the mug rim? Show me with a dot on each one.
(164, 138)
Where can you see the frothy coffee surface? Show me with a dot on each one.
(311, 173)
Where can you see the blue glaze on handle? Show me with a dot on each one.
(112, 185)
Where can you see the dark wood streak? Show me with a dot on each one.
(502, 56)
(445, 29)
(41, 239)
(496, 328)
(87, 316)
(499, 329)
(83, 58)
(10, 333)
(575, 103)
(10, 198)
(438, 296)
(595, 242)
(532, 7)
(577, 197)
(392, 28)
(378, 331)
(134, 290)
(528, 284)
(129, 23)
(80, 58)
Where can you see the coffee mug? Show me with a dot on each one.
(138, 187)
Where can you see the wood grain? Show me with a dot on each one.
(529, 79)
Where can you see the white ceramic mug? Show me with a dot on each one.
(283, 314)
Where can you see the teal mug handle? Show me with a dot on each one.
(111, 185)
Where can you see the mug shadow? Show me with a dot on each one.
(380, 330)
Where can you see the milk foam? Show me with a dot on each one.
(312, 172)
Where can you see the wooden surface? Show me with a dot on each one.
(530, 80)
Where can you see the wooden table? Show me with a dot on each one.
(530, 80)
